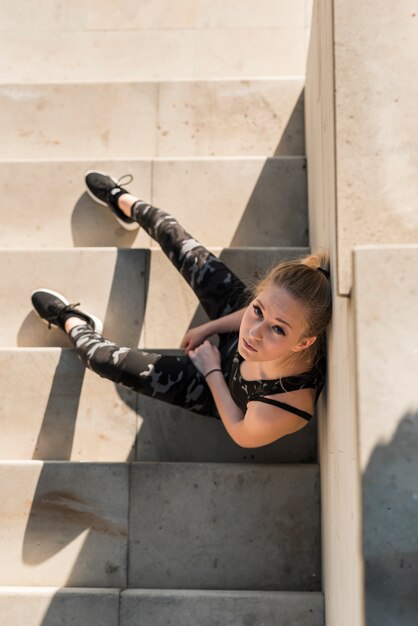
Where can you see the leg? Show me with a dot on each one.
(169, 378)
(219, 290)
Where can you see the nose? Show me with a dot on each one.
(256, 331)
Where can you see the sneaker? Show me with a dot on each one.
(54, 310)
(106, 191)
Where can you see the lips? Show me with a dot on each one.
(248, 346)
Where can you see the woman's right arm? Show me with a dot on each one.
(196, 336)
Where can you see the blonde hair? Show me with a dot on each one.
(303, 280)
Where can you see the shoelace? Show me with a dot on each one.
(128, 182)
(57, 312)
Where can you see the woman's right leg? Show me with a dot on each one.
(219, 290)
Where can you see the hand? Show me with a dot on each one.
(194, 337)
(205, 357)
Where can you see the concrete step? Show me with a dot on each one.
(54, 409)
(64, 524)
(191, 525)
(33, 606)
(158, 330)
(259, 202)
(229, 608)
(133, 55)
(53, 606)
(98, 278)
(132, 15)
(115, 285)
(224, 526)
(148, 119)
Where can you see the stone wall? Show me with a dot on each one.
(362, 157)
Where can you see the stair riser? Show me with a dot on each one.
(131, 120)
(204, 526)
(152, 55)
(67, 525)
(158, 330)
(54, 409)
(102, 607)
(64, 525)
(226, 608)
(65, 607)
(111, 284)
(257, 202)
(130, 14)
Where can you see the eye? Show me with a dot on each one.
(278, 330)
(257, 310)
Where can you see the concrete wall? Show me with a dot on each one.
(362, 188)
(340, 485)
(376, 152)
(386, 305)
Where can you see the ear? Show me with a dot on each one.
(305, 343)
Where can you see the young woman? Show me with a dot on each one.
(265, 376)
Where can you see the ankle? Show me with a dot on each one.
(72, 322)
(126, 202)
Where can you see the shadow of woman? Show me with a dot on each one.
(390, 529)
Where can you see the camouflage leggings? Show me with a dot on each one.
(173, 379)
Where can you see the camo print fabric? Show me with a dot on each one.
(173, 379)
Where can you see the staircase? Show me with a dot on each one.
(116, 509)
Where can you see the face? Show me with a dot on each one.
(273, 327)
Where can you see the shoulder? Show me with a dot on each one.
(268, 423)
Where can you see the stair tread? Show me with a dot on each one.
(153, 118)
(266, 202)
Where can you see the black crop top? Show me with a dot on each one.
(243, 391)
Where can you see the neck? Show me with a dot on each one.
(288, 366)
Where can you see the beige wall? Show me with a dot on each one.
(362, 129)
(385, 298)
(340, 483)
(376, 149)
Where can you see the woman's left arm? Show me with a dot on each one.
(261, 424)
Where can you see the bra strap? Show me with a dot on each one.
(284, 406)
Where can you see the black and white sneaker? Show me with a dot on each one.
(54, 310)
(106, 191)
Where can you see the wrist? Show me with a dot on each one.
(212, 371)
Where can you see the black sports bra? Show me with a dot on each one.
(244, 391)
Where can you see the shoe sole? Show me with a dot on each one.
(98, 324)
(125, 225)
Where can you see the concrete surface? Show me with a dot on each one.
(152, 54)
(372, 101)
(64, 524)
(107, 282)
(224, 526)
(54, 409)
(160, 14)
(124, 288)
(362, 189)
(386, 301)
(260, 202)
(226, 608)
(192, 118)
(58, 607)
(167, 433)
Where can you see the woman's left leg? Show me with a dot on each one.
(172, 379)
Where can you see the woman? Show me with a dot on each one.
(263, 379)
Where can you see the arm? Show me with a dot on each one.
(261, 424)
(228, 323)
